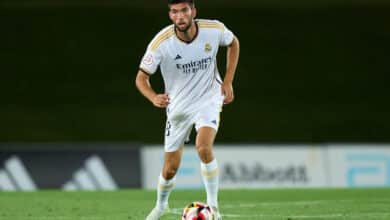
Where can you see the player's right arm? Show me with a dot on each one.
(149, 64)
(143, 84)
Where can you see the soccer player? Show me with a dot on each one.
(194, 92)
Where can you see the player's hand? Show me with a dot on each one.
(227, 91)
(161, 100)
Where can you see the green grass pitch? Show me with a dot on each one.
(272, 204)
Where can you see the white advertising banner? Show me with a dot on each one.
(359, 165)
(245, 166)
(271, 166)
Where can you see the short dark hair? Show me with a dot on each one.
(180, 1)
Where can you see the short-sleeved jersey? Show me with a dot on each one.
(189, 70)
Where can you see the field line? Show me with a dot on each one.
(308, 202)
(378, 215)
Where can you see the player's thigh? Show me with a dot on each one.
(205, 137)
(204, 143)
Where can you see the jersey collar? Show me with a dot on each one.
(196, 34)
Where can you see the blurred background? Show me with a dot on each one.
(313, 77)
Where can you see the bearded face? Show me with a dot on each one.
(182, 15)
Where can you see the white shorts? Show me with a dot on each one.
(177, 132)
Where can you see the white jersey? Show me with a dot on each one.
(189, 69)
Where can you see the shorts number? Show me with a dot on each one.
(168, 129)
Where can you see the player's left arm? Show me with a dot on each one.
(232, 54)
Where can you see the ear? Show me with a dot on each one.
(169, 15)
(193, 12)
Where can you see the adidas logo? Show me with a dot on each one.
(214, 122)
(14, 176)
(178, 57)
(92, 176)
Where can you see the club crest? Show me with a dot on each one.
(207, 47)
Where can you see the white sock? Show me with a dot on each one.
(211, 181)
(164, 188)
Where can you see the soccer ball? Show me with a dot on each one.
(197, 211)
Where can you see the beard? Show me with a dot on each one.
(185, 28)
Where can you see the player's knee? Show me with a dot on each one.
(170, 172)
(205, 152)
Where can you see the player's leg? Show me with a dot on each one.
(176, 133)
(167, 178)
(166, 183)
(207, 126)
(209, 166)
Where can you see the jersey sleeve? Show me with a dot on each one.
(151, 60)
(226, 37)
